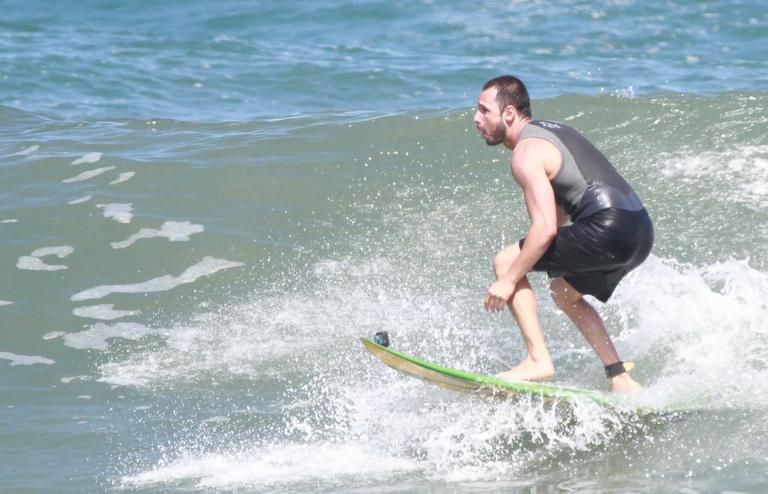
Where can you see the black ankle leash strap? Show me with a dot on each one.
(614, 370)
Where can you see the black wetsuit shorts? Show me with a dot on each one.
(596, 252)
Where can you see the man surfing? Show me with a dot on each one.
(588, 229)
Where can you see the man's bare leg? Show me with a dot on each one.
(592, 327)
(537, 365)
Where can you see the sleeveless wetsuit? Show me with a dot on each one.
(611, 232)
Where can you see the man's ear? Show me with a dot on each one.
(509, 113)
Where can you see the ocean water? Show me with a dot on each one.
(204, 205)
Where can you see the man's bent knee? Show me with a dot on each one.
(563, 293)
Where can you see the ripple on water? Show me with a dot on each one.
(88, 158)
(87, 175)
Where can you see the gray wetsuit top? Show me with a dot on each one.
(587, 182)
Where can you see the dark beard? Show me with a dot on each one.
(496, 136)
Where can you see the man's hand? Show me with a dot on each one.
(498, 294)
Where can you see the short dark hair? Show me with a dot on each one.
(511, 91)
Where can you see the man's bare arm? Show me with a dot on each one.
(529, 170)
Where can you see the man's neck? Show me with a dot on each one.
(513, 133)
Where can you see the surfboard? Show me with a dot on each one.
(458, 380)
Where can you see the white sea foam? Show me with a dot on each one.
(475, 439)
(27, 151)
(80, 200)
(744, 168)
(9, 220)
(684, 325)
(31, 263)
(69, 379)
(17, 359)
(123, 177)
(146, 369)
(710, 323)
(105, 312)
(87, 175)
(53, 335)
(88, 158)
(275, 328)
(60, 251)
(175, 231)
(97, 335)
(120, 212)
(206, 267)
(439, 436)
(275, 466)
(5, 302)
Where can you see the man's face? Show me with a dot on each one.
(488, 118)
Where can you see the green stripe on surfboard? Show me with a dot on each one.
(459, 380)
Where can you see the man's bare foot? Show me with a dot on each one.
(623, 383)
(529, 370)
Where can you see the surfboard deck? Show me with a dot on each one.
(458, 380)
